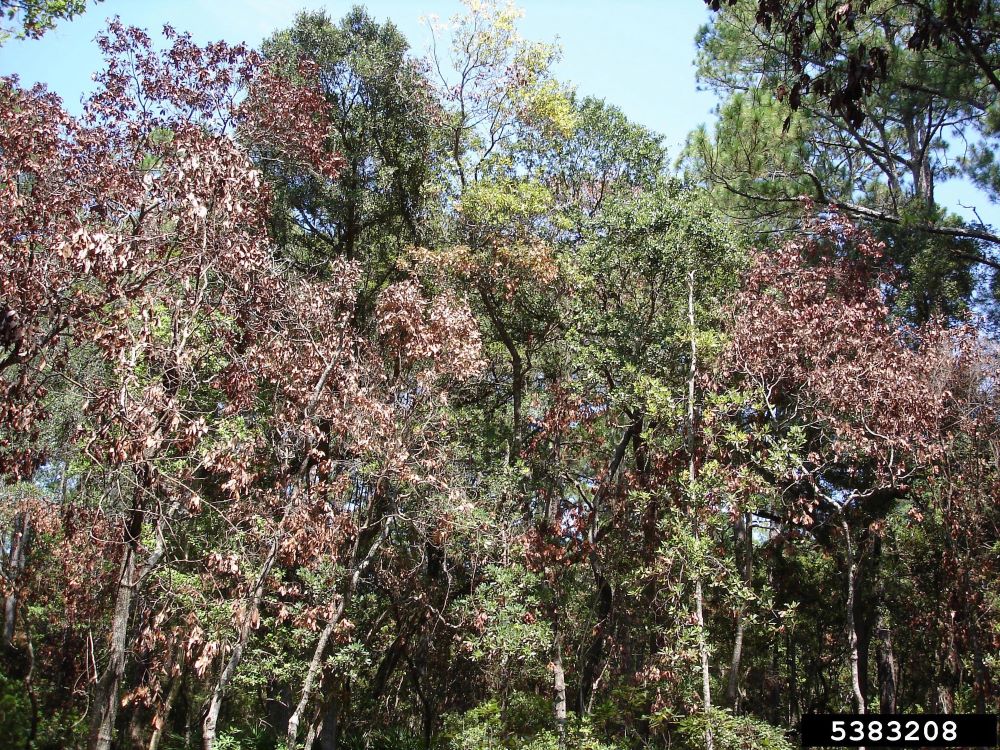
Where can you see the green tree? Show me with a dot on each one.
(384, 117)
(32, 18)
(846, 111)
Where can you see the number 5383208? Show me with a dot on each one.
(885, 730)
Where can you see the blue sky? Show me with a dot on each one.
(636, 54)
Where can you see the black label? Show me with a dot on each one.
(899, 730)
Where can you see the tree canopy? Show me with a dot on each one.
(355, 399)
(878, 103)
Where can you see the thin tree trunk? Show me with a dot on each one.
(315, 727)
(416, 674)
(18, 555)
(918, 139)
(794, 709)
(210, 721)
(706, 685)
(605, 593)
(981, 683)
(948, 674)
(329, 725)
(743, 547)
(732, 688)
(517, 371)
(209, 725)
(595, 652)
(314, 666)
(29, 686)
(106, 698)
(866, 631)
(427, 722)
(852, 633)
(775, 680)
(163, 714)
(866, 581)
(517, 397)
(319, 653)
(559, 691)
(135, 728)
(886, 667)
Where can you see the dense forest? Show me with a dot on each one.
(354, 398)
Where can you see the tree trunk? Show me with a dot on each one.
(314, 666)
(209, 725)
(331, 724)
(794, 709)
(866, 631)
(605, 593)
(106, 697)
(595, 652)
(919, 141)
(981, 681)
(417, 671)
(852, 633)
(732, 688)
(163, 714)
(743, 547)
(18, 555)
(517, 397)
(981, 684)
(29, 686)
(427, 721)
(886, 666)
(319, 653)
(517, 370)
(774, 677)
(315, 727)
(706, 685)
(559, 691)
(948, 672)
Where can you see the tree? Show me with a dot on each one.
(846, 72)
(139, 246)
(383, 118)
(841, 411)
(131, 229)
(32, 18)
(838, 106)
